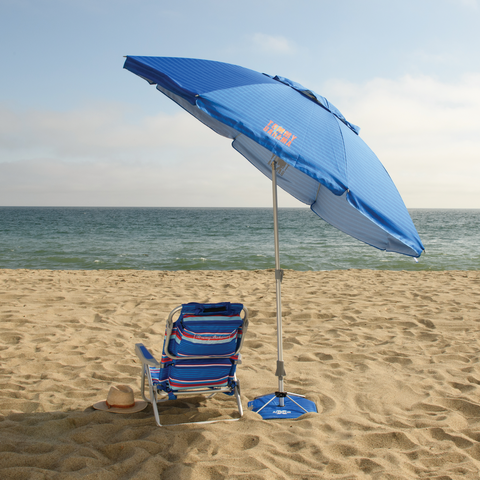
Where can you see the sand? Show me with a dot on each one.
(390, 358)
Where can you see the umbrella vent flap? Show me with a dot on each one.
(315, 97)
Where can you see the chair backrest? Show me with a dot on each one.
(205, 331)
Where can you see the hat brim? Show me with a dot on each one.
(139, 406)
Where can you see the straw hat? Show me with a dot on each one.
(120, 399)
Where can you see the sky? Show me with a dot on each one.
(76, 129)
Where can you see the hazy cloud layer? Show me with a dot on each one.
(424, 131)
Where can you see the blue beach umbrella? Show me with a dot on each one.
(306, 146)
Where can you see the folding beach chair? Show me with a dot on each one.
(201, 351)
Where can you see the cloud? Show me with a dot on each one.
(424, 131)
(273, 44)
(467, 3)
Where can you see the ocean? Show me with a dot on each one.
(74, 238)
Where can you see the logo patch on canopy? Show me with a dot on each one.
(279, 133)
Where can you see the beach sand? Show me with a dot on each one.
(390, 358)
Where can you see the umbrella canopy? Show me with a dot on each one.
(321, 160)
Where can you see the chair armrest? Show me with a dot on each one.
(145, 356)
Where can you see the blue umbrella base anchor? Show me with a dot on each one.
(294, 405)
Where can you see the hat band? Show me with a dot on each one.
(120, 406)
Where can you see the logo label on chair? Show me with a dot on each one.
(210, 338)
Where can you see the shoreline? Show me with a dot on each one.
(391, 358)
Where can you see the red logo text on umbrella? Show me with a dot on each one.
(279, 133)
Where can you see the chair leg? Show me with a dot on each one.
(155, 412)
(153, 397)
(239, 399)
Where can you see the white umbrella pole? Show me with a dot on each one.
(280, 372)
